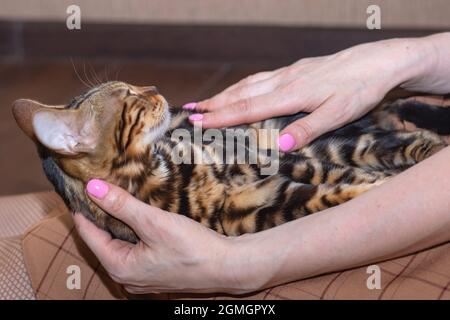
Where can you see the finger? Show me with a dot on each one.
(253, 85)
(305, 130)
(123, 206)
(225, 99)
(246, 111)
(109, 251)
(252, 79)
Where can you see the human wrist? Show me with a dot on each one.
(245, 267)
(405, 60)
(386, 64)
(433, 77)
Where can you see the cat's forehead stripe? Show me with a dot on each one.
(75, 104)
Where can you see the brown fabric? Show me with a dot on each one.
(53, 245)
(14, 281)
(19, 212)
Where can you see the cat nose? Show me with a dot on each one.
(151, 90)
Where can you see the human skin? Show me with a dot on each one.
(335, 89)
(408, 213)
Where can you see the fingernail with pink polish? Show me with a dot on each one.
(190, 106)
(196, 117)
(97, 188)
(286, 142)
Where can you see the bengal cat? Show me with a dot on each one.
(124, 134)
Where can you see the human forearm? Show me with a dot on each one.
(408, 213)
(433, 75)
(335, 89)
(416, 64)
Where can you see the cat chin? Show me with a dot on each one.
(154, 133)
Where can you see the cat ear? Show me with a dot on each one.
(61, 130)
(23, 111)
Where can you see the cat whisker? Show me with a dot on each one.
(87, 78)
(78, 75)
(118, 69)
(94, 75)
(106, 73)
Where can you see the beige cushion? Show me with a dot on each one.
(14, 281)
(53, 245)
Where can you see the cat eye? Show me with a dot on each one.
(131, 93)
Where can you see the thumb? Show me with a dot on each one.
(123, 206)
(305, 130)
(109, 251)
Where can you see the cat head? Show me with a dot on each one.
(110, 119)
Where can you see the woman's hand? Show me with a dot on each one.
(175, 253)
(335, 89)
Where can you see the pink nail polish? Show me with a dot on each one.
(97, 188)
(190, 106)
(196, 117)
(286, 142)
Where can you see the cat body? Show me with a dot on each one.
(127, 135)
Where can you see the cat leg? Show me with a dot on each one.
(317, 172)
(276, 200)
(431, 113)
(395, 150)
